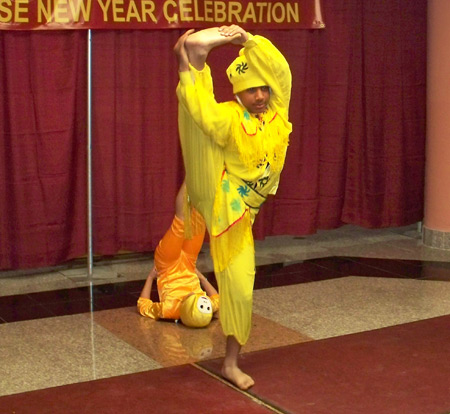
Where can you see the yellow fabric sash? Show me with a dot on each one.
(262, 137)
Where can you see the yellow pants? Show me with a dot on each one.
(236, 295)
(204, 161)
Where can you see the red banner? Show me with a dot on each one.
(158, 14)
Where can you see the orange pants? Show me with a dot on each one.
(173, 243)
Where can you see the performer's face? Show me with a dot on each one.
(255, 99)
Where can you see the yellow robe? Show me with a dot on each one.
(233, 161)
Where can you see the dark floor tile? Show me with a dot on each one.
(283, 274)
(311, 271)
(350, 266)
(154, 296)
(124, 294)
(211, 278)
(289, 279)
(89, 293)
(264, 275)
(16, 301)
(23, 313)
(269, 269)
(17, 308)
(361, 269)
(176, 390)
(62, 295)
(396, 370)
(136, 295)
(336, 264)
(262, 282)
(410, 262)
(111, 288)
(116, 301)
(435, 270)
(322, 273)
(70, 307)
(377, 267)
(273, 270)
(134, 286)
(412, 269)
(396, 267)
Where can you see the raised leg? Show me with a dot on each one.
(199, 44)
(179, 201)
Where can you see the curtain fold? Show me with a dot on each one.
(356, 153)
(137, 162)
(385, 152)
(42, 154)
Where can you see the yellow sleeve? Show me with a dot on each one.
(273, 68)
(195, 93)
(215, 302)
(148, 308)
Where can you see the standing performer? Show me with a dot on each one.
(233, 154)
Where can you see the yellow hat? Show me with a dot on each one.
(196, 311)
(242, 76)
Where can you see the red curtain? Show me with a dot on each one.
(356, 153)
(42, 148)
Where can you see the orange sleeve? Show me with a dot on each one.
(148, 308)
(215, 302)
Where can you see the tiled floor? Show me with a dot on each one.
(370, 293)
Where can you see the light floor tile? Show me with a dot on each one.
(170, 343)
(56, 351)
(352, 304)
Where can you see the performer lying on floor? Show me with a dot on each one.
(184, 292)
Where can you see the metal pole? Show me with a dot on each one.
(89, 156)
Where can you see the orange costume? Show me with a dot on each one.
(175, 261)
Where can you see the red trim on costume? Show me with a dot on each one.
(232, 224)
(250, 135)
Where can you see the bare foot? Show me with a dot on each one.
(207, 38)
(199, 44)
(237, 377)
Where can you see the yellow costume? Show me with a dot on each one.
(233, 160)
(175, 261)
